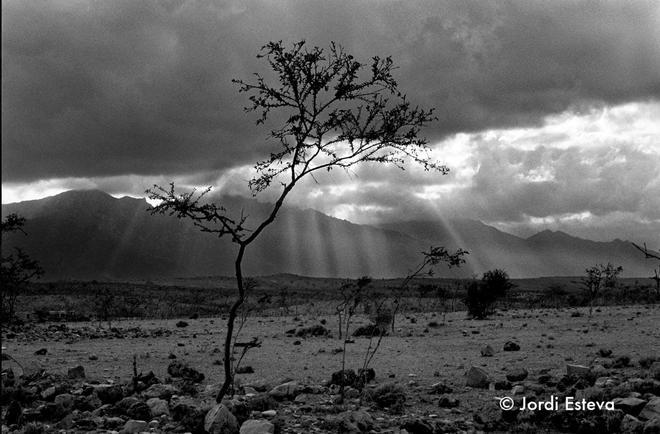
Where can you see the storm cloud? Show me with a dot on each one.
(144, 88)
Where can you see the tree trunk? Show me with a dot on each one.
(233, 312)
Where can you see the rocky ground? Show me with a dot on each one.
(431, 375)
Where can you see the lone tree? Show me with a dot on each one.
(338, 113)
(17, 269)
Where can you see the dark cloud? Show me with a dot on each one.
(143, 88)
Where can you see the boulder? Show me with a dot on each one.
(219, 420)
(477, 377)
(257, 426)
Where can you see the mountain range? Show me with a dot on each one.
(88, 234)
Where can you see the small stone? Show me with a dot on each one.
(219, 420)
(577, 371)
(41, 352)
(651, 410)
(93, 357)
(76, 373)
(511, 346)
(487, 351)
(162, 391)
(477, 377)
(448, 402)
(287, 390)
(257, 426)
(440, 388)
(517, 374)
(630, 424)
(630, 405)
(518, 389)
(269, 413)
(135, 426)
(158, 407)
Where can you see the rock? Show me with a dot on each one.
(14, 414)
(41, 352)
(388, 395)
(604, 352)
(182, 324)
(511, 346)
(269, 413)
(162, 391)
(577, 371)
(110, 394)
(245, 370)
(76, 373)
(139, 410)
(257, 426)
(448, 402)
(477, 377)
(158, 407)
(49, 394)
(651, 410)
(652, 426)
(605, 382)
(630, 424)
(65, 402)
(630, 405)
(315, 330)
(417, 426)
(503, 385)
(487, 351)
(440, 388)
(135, 426)
(369, 330)
(518, 390)
(350, 422)
(219, 420)
(179, 369)
(517, 374)
(287, 390)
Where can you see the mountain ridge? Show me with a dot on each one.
(90, 234)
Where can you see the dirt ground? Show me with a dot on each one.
(418, 354)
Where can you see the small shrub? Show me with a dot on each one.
(388, 395)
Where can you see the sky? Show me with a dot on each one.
(548, 112)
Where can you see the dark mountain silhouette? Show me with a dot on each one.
(91, 235)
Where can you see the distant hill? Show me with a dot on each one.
(91, 235)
